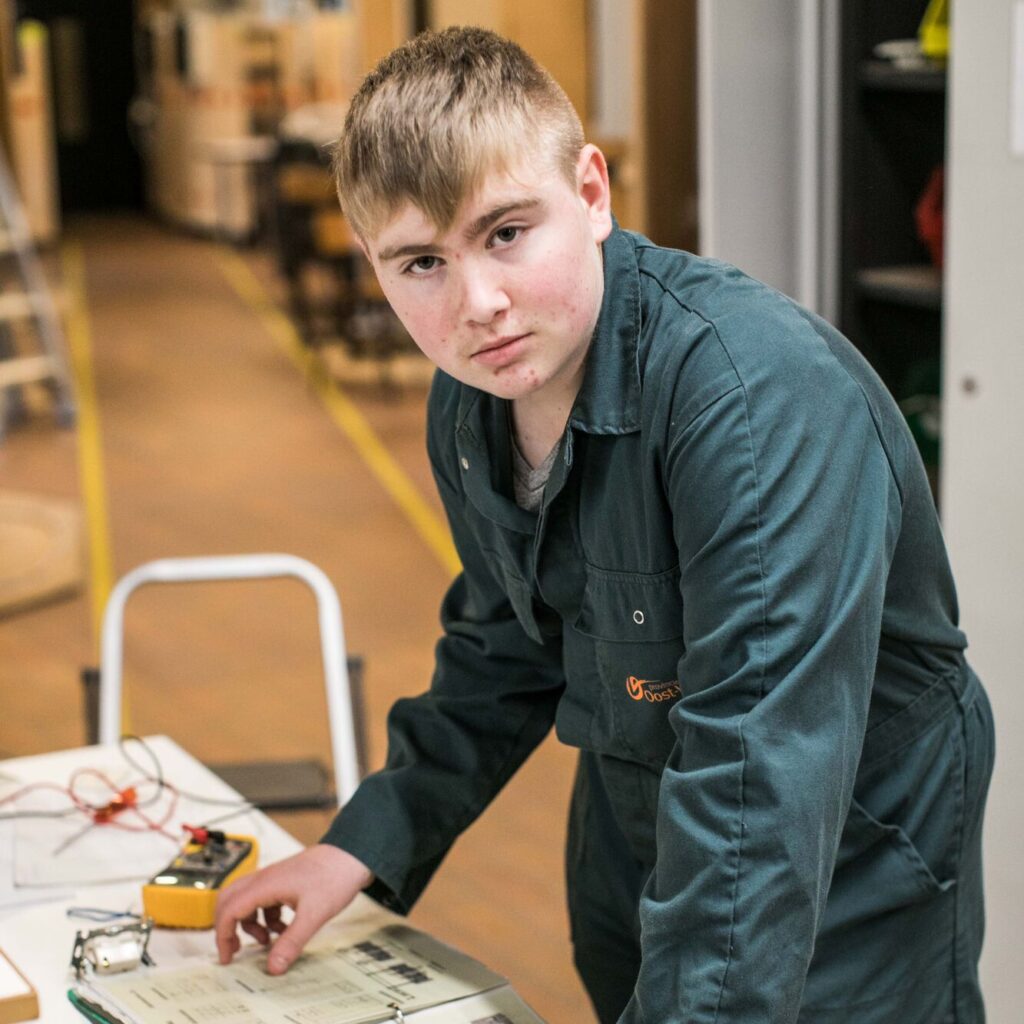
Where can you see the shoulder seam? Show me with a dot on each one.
(853, 380)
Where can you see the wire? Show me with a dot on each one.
(18, 815)
(158, 777)
(31, 787)
(240, 803)
(11, 797)
(124, 799)
(230, 814)
(100, 915)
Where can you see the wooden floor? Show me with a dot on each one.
(213, 443)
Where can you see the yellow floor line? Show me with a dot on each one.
(344, 412)
(90, 454)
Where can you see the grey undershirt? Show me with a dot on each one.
(528, 482)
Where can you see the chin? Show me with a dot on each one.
(513, 388)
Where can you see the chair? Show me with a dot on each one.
(342, 721)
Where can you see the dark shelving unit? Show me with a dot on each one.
(893, 137)
(882, 75)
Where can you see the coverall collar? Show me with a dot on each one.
(609, 398)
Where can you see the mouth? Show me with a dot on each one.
(493, 347)
(500, 352)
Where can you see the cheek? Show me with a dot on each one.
(565, 296)
(425, 325)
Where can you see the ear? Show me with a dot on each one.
(594, 190)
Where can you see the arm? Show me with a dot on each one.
(785, 514)
(450, 750)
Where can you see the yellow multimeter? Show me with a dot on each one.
(184, 894)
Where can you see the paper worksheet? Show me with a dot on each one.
(10, 895)
(345, 983)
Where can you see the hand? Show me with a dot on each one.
(317, 884)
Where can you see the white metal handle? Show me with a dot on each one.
(240, 567)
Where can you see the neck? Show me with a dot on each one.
(539, 421)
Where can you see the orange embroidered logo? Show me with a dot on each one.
(652, 690)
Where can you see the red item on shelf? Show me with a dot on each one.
(928, 214)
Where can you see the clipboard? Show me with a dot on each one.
(388, 975)
(18, 999)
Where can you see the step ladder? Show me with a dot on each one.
(25, 299)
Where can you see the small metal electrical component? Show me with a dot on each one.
(113, 949)
(184, 894)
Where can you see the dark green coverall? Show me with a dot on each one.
(736, 602)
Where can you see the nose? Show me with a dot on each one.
(484, 294)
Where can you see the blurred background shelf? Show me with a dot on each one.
(878, 74)
(892, 155)
(918, 285)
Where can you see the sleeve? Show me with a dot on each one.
(450, 750)
(785, 514)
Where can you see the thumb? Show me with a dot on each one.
(291, 942)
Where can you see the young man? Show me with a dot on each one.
(696, 537)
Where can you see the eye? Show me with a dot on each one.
(421, 265)
(506, 234)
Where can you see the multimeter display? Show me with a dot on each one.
(184, 894)
(206, 866)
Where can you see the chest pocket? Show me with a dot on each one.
(633, 625)
(624, 607)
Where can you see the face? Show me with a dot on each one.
(506, 300)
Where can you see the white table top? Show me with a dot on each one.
(39, 937)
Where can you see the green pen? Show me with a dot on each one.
(93, 1011)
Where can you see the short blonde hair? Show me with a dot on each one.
(440, 113)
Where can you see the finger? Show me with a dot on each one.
(235, 903)
(230, 947)
(225, 936)
(228, 942)
(291, 942)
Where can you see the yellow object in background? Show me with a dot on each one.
(184, 894)
(934, 31)
(33, 144)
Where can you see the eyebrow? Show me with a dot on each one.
(482, 223)
(474, 231)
